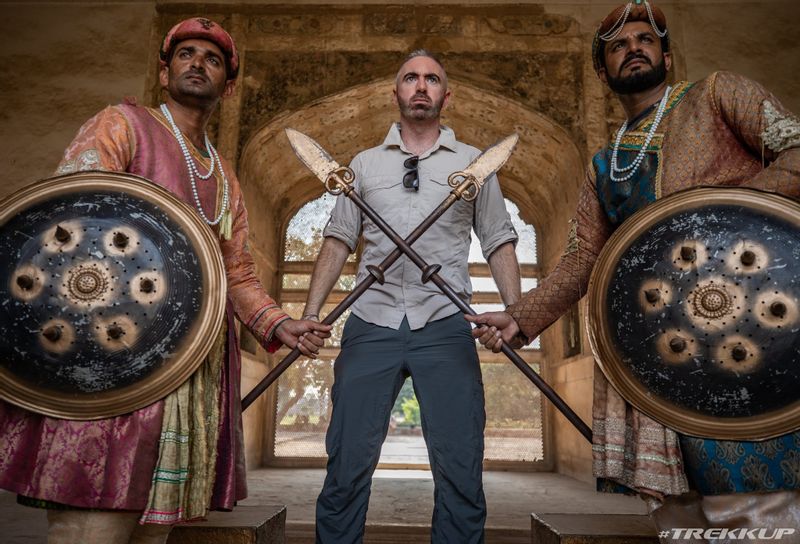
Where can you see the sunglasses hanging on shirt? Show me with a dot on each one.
(411, 178)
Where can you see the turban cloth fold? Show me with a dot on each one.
(610, 27)
(202, 29)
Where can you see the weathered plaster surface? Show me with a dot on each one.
(59, 65)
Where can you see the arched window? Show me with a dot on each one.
(302, 409)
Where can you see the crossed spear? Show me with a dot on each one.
(466, 185)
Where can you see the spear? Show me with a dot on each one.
(310, 152)
(338, 180)
(466, 184)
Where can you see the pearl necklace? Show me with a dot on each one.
(631, 168)
(616, 28)
(659, 33)
(190, 165)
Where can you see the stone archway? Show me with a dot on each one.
(543, 175)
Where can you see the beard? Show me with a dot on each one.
(421, 112)
(184, 85)
(640, 80)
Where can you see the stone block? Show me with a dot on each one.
(383, 23)
(592, 529)
(519, 24)
(437, 23)
(245, 525)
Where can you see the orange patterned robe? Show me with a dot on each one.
(108, 464)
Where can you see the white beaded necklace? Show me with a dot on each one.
(659, 33)
(616, 28)
(190, 165)
(631, 168)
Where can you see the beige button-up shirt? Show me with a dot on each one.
(379, 180)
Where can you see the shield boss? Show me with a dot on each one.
(112, 291)
(693, 312)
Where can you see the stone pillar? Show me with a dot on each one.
(231, 107)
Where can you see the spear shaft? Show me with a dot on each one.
(430, 273)
(376, 274)
(339, 180)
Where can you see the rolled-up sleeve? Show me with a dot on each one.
(492, 223)
(345, 221)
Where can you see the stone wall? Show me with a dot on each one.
(59, 64)
(328, 70)
(62, 61)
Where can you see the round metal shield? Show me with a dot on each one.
(694, 313)
(112, 292)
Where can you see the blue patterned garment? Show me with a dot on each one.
(621, 199)
(713, 467)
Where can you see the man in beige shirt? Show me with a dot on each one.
(404, 327)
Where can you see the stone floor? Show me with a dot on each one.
(399, 498)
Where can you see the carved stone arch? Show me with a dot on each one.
(543, 175)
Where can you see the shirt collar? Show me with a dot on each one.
(447, 139)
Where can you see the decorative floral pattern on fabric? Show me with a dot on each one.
(88, 160)
(780, 131)
(573, 242)
(770, 449)
(631, 449)
(790, 467)
(621, 199)
(716, 467)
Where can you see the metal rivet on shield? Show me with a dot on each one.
(115, 332)
(748, 258)
(677, 344)
(62, 234)
(652, 295)
(52, 333)
(25, 282)
(688, 253)
(777, 308)
(146, 285)
(739, 353)
(120, 240)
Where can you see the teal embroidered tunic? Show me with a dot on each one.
(712, 467)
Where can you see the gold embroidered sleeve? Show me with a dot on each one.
(765, 127)
(567, 283)
(253, 306)
(104, 142)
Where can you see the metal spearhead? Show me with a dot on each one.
(336, 178)
(492, 159)
(469, 181)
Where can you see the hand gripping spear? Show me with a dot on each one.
(466, 185)
(337, 180)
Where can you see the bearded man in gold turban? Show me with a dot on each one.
(725, 130)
